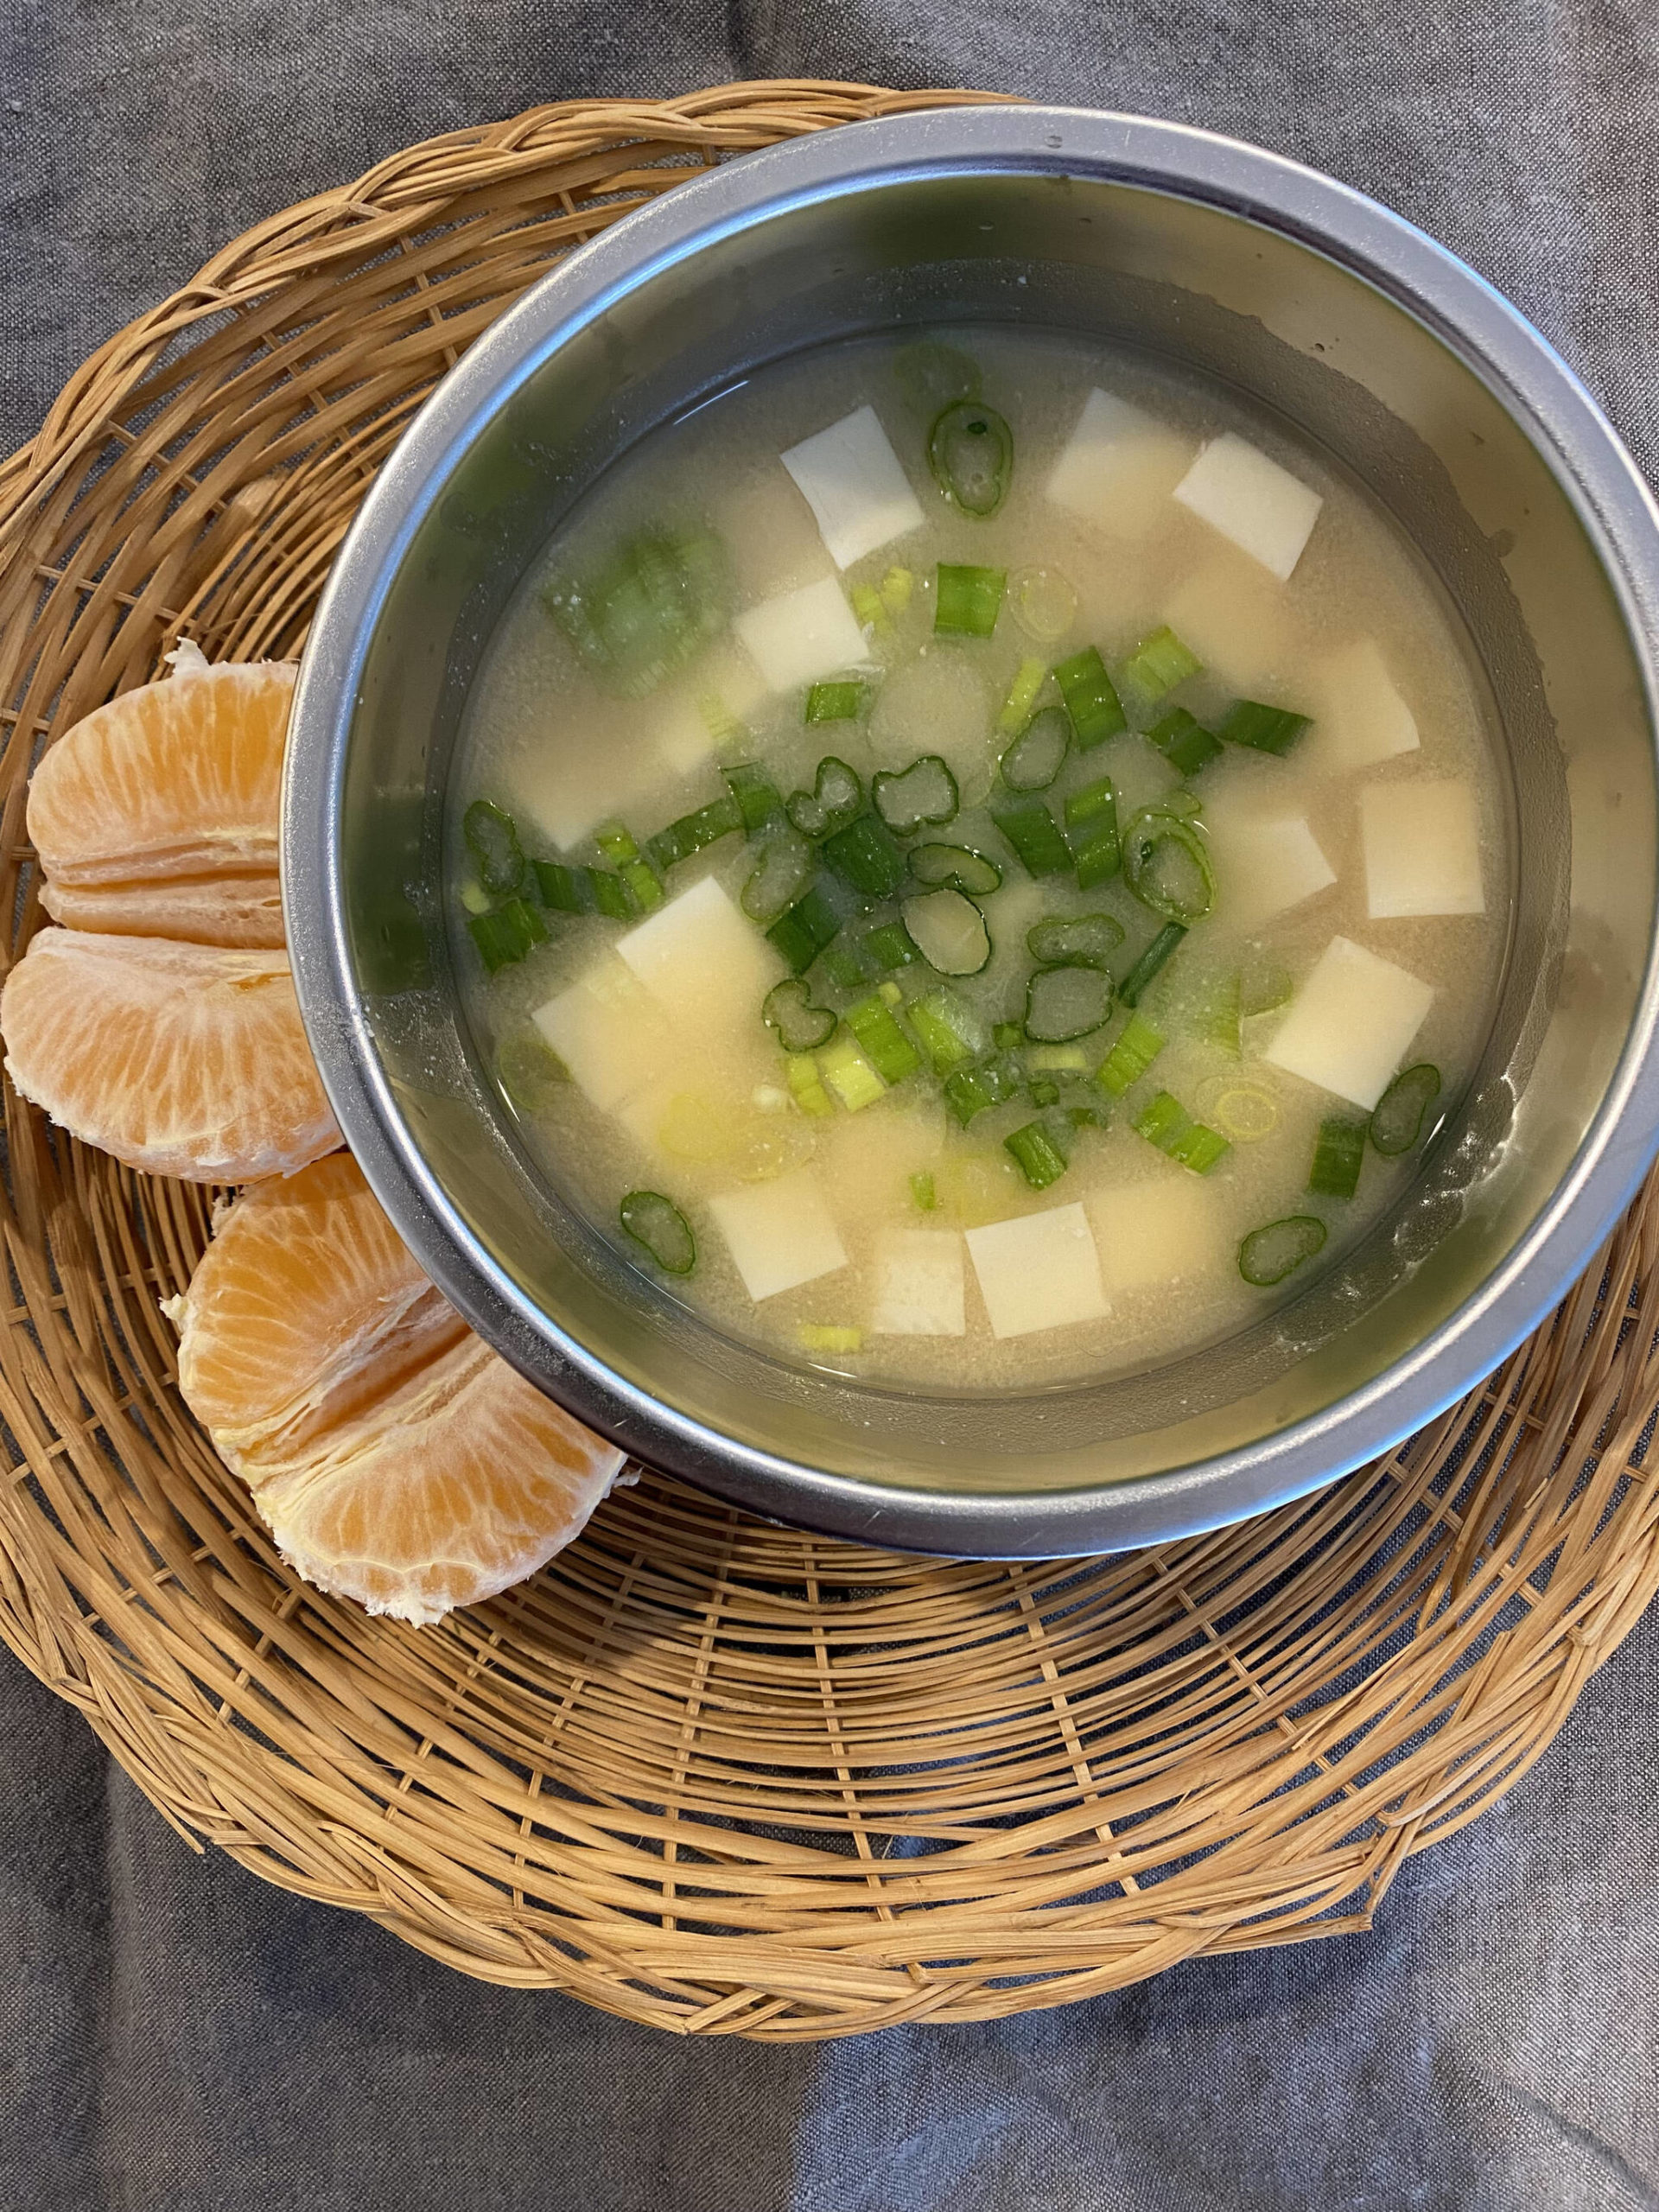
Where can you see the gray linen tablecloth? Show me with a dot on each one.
(174, 2034)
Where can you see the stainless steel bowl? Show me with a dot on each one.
(1417, 377)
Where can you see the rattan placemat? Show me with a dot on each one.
(702, 1771)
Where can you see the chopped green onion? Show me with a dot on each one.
(529, 1071)
(1217, 1014)
(1091, 832)
(1398, 1121)
(952, 1034)
(968, 600)
(833, 800)
(1184, 742)
(507, 934)
(845, 966)
(932, 374)
(922, 1190)
(1091, 701)
(582, 890)
(1166, 866)
(1035, 834)
(781, 873)
(644, 885)
(1268, 1255)
(970, 452)
(891, 992)
(922, 796)
(1263, 985)
(1137, 1046)
(1036, 756)
(717, 718)
(1166, 1123)
(756, 795)
(804, 1086)
(1062, 1003)
(1043, 603)
(474, 897)
(882, 1042)
(849, 1075)
(656, 1225)
(491, 837)
(1158, 663)
(801, 1026)
(1267, 729)
(865, 854)
(615, 840)
(896, 588)
(1246, 1112)
(829, 1336)
(890, 946)
(1129, 990)
(969, 1092)
(810, 923)
(1198, 1147)
(1044, 1091)
(1040, 1158)
(1075, 941)
(949, 930)
(870, 610)
(1338, 1151)
(834, 703)
(1085, 1113)
(692, 832)
(1007, 1034)
(1022, 697)
(648, 610)
(1069, 1060)
(956, 867)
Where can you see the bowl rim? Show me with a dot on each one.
(1468, 315)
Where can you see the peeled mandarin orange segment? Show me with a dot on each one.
(238, 910)
(174, 783)
(181, 1060)
(397, 1459)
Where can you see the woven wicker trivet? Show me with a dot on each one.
(702, 1771)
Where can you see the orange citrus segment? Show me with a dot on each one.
(396, 1458)
(242, 909)
(182, 1059)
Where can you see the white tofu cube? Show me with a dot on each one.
(1267, 512)
(801, 636)
(1037, 1272)
(779, 1235)
(850, 477)
(609, 1033)
(1421, 843)
(1352, 1023)
(1264, 865)
(1359, 717)
(1161, 1231)
(1119, 467)
(706, 967)
(1232, 615)
(918, 1285)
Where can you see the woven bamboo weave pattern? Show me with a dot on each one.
(702, 1771)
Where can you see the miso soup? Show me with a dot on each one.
(979, 862)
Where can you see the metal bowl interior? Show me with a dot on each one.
(1370, 340)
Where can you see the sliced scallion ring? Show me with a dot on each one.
(922, 796)
(1166, 865)
(491, 837)
(1267, 1256)
(956, 867)
(1036, 756)
(1076, 940)
(970, 452)
(801, 1026)
(950, 931)
(1397, 1121)
(1062, 1003)
(834, 799)
(659, 1227)
(781, 872)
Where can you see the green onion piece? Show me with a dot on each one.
(1263, 985)
(949, 930)
(1268, 1255)
(692, 832)
(969, 1092)
(810, 923)
(1085, 1113)
(1091, 700)
(1198, 1147)
(801, 1026)
(507, 934)
(1076, 941)
(968, 600)
(1167, 1123)
(1267, 729)
(1158, 663)
(890, 946)
(1397, 1123)
(1007, 1034)
(659, 1227)
(1162, 1120)
(1166, 866)
(643, 886)
(922, 796)
(834, 703)
(1062, 1003)
(829, 1337)
(922, 1190)
(1035, 834)
(1040, 1158)
(849, 1075)
(932, 374)
(1218, 1015)
(781, 873)
(1066, 1059)
(492, 838)
(1044, 603)
(952, 1034)
(610, 895)
(756, 795)
(582, 890)
(956, 867)
(845, 966)
(1091, 832)
(615, 840)
(970, 452)
(865, 854)
(646, 610)
(1129, 990)
(1044, 1091)
(870, 610)
(896, 589)
(882, 1042)
(1137, 1046)
(529, 1070)
(833, 800)
(1184, 742)
(804, 1086)
(1338, 1151)
(1036, 756)
(1022, 697)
